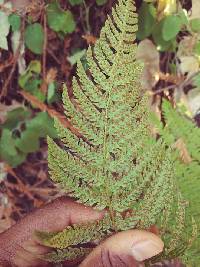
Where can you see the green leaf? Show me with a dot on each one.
(15, 22)
(8, 151)
(173, 68)
(17, 160)
(15, 117)
(34, 38)
(196, 80)
(75, 2)
(29, 141)
(33, 68)
(101, 2)
(197, 48)
(183, 16)
(33, 86)
(7, 143)
(51, 94)
(161, 44)
(171, 27)
(42, 125)
(79, 54)
(60, 20)
(39, 94)
(30, 81)
(195, 25)
(146, 20)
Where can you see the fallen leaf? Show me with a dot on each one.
(3, 173)
(186, 46)
(170, 78)
(195, 9)
(15, 44)
(165, 8)
(51, 75)
(78, 55)
(20, 4)
(149, 55)
(50, 78)
(90, 39)
(4, 26)
(189, 64)
(5, 213)
(193, 101)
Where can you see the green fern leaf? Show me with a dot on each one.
(179, 127)
(117, 165)
(71, 254)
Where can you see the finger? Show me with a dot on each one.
(125, 249)
(54, 216)
(25, 259)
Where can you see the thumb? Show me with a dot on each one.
(125, 249)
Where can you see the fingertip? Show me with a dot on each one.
(132, 246)
(147, 248)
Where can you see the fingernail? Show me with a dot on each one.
(146, 249)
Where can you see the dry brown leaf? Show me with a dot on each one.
(5, 213)
(189, 64)
(154, 103)
(3, 173)
(195, 9)
(170, 78)
(165, 8)
(51, 75)
(186, 46)
(20, 4)
(184, 154)
(148, 54)
(90, 39)
(193, 101)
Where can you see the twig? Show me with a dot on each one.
(6, 63)
(54, 114)
(15, 59)
(51, 53)
(44, 47)
(189, 79)
(180, 85)
(44, 55)
(87, 17)
(165, 89)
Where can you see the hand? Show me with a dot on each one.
(18, 247)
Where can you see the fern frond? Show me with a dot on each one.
(117, 166)
(76, 234)
(179, 127)
(71, 254)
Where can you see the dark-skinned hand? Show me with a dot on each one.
(19, 247)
